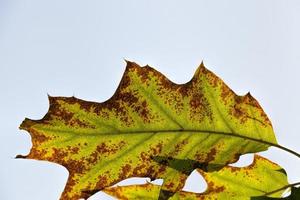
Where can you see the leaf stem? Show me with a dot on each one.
(287, 150)
(282, 188)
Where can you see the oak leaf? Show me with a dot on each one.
(151, 127)
(245, 183)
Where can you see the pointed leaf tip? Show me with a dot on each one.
(199, 71)
(26, 123)
(126, 61)
(130, 64)
(20, 157)
(202, 64)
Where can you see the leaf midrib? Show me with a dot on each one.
(229, 134)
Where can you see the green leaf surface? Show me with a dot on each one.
(151, 127)
(295, 195)
(257, 179)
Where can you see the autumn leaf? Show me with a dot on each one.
(151, 127)
(257, 179)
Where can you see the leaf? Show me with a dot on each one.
(151, 127)
(295, 195)
(257, 179)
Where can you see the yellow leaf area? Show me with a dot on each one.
(259, 178)
(151, 127)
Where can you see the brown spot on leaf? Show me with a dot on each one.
(102, 182)
(125, 170)
(219, 189)
(239, 112)
(226, 93)
(128, 97)
(79, 123)
(178, 147)
(37, 154)
(184, 89)
(125, 82)
(199, 106)
(38, 137)
(169, 185)
(210, 77)
(196, 101)
(76, 166)
(73, 150)
(104, 149)
(59, 155)
(69, 186)
(156, 149)
(140, 170)
(144, 74)
(210, 156)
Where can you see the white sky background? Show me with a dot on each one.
(77, 48)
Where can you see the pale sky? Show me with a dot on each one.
(78, 48)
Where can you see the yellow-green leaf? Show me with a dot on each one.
(257, 179)
(151, 127)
